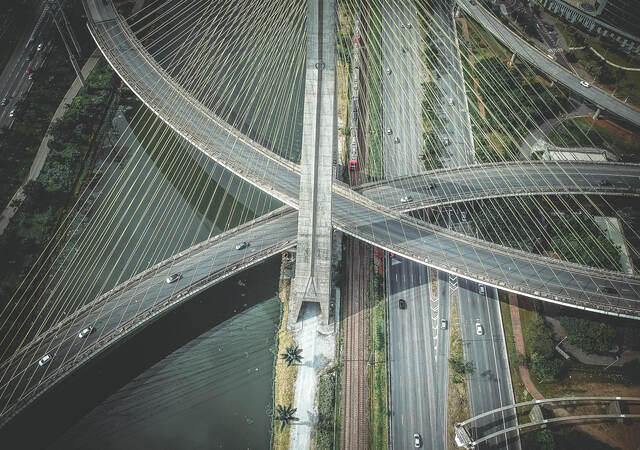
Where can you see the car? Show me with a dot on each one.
(85, 332)
(430, 186)
(45, 360)
(392, 255)
(389, 70)
(417, 440)
(605, 182)
(610, 291)
(402, 304)
(408, 25)
(31, 76)
(550, 56)
(481, 289)
(12, 113)
(389, 131)
(28, 70)
(479, 329)
(40, 46)
(406, 199)
(463, 216)
(584, 83)
(396, 140)
(443, 324)
(242, 245)
(4, 101)
(451, 101)
(446, 142)
(173, 278)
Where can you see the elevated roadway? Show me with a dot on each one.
(543, 278)
(499, 180)
(137, 301)
(553, 70)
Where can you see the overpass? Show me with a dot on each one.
(553, 70)
(512, 270)
(463, 436)
(136, 302)
(500, 180)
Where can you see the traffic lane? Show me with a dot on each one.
(408, 237)
(555, 71)
(412, 398)
(489, 386)
(18, 83)
(510, 178)
(146, 294)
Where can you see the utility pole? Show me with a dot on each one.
(72, 58)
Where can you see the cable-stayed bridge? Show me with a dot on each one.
(374, 214)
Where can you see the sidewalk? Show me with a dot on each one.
(43, 150)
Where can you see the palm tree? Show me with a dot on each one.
(292, 355)
(285, 414)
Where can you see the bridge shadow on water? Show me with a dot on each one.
(217, 350)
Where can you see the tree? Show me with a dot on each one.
(544, 440)
(292, 355)
(590, 335)
(546, 368)
(285, 414)
(460, 366)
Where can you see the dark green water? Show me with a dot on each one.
(199, 378)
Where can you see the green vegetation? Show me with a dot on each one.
(285, 414)
(540, 440)
(541, 357)
(460, 368)
(292, 355)
(590, 335)
(572, 237)
(75, 139)
(371, 89)
(560, 438)
(515, 359)
(585, 132)
(379, 410)
(325, 430)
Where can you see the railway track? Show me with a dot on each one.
(355, 392)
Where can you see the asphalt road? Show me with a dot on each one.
(528, 53)
(543, 278)
(401, 78)
(417, 356)
(14, 80)
(490, 383)
(111, 312)
(453, 106)
(504, 179)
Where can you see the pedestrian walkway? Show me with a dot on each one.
(43, 150)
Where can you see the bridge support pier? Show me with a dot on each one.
(597, 114)
(312, 281)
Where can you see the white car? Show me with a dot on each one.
(443, 324)
(405, 199)
(450, 101)
(550, 56)
(242, 245)
(45, 360)
(85, 332)
(40, 46)
(481, 289)
(389, 131)
(12, 113)
(417, 440)
(584, 83)
(388, 70)
(173, 278)
(396, 140)
(479, 329)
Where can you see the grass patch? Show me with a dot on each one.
(378, 370)
(373, 94)
(585, 132)
(328, 427)
(519, 390)
(458, 394)
(285, 376)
